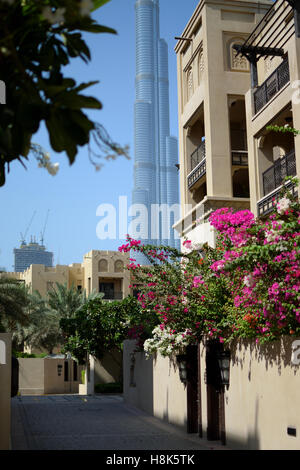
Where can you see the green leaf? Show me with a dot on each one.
(72, 100)
(99, 3)
(97, 28)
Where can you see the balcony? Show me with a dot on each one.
(273, 177)
(239, 157)
(198, 165)
(271, 86)
(267, 203)
(112, 295)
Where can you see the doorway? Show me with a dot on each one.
(194, 417)
(215, 394)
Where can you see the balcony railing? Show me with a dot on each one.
(113, 295)
(239, 157)
(198, 165)
(197, 173)
(267, 203)
(198, 155)
(271, 86)
(273, 177)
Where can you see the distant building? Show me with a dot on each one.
(156, 181)
(32, 253)
(101, 271)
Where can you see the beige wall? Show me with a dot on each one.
(263, 398)
(108, 369)
(31, 376)
(261, 402)
(5, 390)
(155, 387)
(40, 376)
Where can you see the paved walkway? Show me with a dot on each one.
(73, 422)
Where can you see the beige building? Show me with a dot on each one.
(238, 72)
(212, 83)
(273, 52)
(100, 271)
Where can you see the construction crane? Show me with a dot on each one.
(23, 237)
(43, 232)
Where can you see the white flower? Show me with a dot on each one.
(53, 169)
(54, 17)
(86, 7)
(248, 280)
(283, 205)
(271, 236)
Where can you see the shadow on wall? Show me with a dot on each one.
(108, 369)
(273, 354)
(167, 400)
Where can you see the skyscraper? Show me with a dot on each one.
(31, 253)
(156, 152)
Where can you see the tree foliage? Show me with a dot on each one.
(14, 301)
(99, 327)
(38, 38)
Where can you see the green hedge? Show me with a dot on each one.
(28, 355)
(115, 387)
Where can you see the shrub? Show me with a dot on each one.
(115, 387)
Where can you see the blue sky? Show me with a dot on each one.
(74, 194)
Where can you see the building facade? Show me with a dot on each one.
(212, 82)
(156, 152)
(272, 103)
(101, 271)
(31, 253)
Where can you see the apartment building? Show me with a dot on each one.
(273, 54)
(212, 82)
(101, 271)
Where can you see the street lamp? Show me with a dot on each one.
(181, 360)
(223, 358)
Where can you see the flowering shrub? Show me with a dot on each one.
(247, 287)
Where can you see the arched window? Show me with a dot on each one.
(103, 266)
(237, 61)
(119, 266)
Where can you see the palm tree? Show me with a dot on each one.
(14, 301)
(65, 301)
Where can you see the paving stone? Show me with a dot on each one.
(73, 422)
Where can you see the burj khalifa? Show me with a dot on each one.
(156, 182)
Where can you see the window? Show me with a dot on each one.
(103, 266)
(66, 371)
(119, 266)
(75, 371)
(50, 285)
(108, 289)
